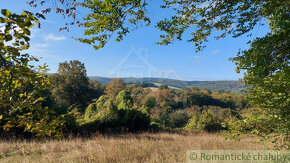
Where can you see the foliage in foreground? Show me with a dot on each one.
(23, 88)
(267, 70)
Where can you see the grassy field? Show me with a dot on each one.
(145, 147)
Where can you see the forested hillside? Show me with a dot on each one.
(231, 86)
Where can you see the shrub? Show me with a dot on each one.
(108, 117)
(105, 115)
(155, 126)
(193, 123)
(178, 119)
(70, 124)
(113, 119)
(102, 121)
(150, 102)
(162, 86)
(253, 122)
(133, 120)
(207, 121)
(224, 114)
(104, 102)
(124, 100)
(91, 111)
(160, 115)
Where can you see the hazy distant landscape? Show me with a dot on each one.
(232, 86)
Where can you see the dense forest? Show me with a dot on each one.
(131, 107)
(87, 106)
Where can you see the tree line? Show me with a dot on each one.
(77, 105)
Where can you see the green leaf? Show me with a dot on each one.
(3, 20)
(37, 23)
(6, 12)
(8, 37)
(8, 59)
(26, 13)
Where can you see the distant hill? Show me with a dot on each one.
(232, 86)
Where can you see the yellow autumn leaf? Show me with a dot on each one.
(28, 126)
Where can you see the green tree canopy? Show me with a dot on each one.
(114, 87)
(22, 110)
(198, 18)
(124, 100)
(267, 70)
(71, 84)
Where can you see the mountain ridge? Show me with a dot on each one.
(233, 86)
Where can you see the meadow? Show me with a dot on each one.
(143, 147)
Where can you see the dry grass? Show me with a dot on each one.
(145, 147)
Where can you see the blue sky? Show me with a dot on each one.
(137, 55)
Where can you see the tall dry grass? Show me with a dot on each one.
(144, 147)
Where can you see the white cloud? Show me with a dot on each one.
(34, 32)
(53, 37)
(195, 58)
(215, 51)
(170, 71)
(45, 56)
(40, 45)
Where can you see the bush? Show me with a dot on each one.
(104, 102)
(162, 86)
(224, 114)
(178, 119)
(193, 123)
(91, 111)
(103, 121)
(155, 126)
(256, 121)
(161, 116)
(113, 119)
(108, 117)
(70, 124)
(133, 120)
(124, 100)
(150, 102)
(207, 121)
(118, 115)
